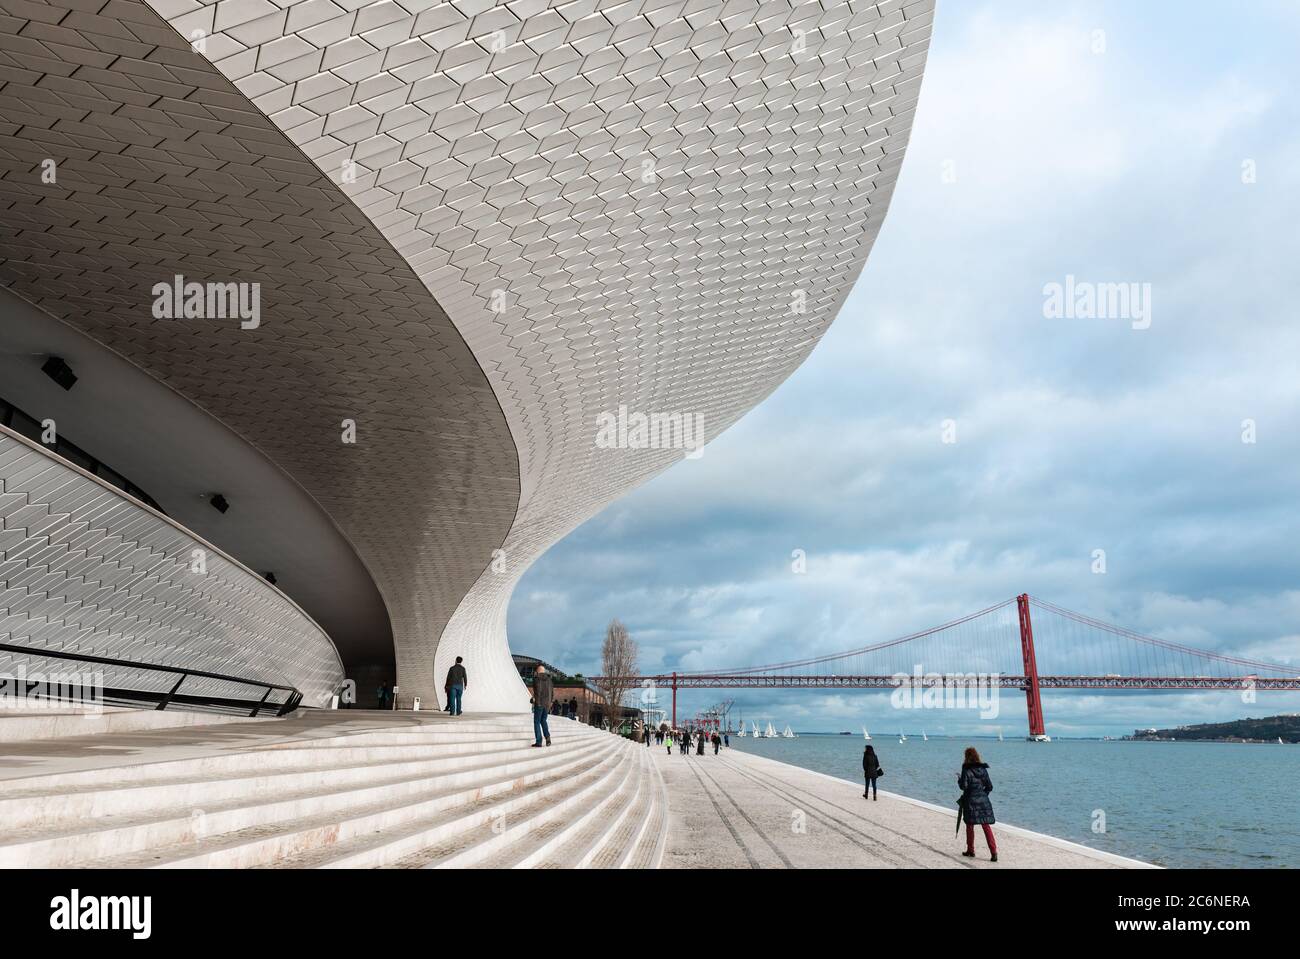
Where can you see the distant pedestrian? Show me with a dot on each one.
(871, 771)
(686, 742)
(573, 707)
(543, 696)
(726, 740)
(381, 694)
(976, 807)
(457, 683)
(699, 743)
(647, 735)
(717, 743)
(669, 740)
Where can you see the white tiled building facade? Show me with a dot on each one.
(535, 213)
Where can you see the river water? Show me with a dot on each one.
(1174, 804)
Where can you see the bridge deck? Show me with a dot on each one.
(738, 810)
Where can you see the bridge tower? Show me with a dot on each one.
(1033, 696)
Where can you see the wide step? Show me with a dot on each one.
(331, 792)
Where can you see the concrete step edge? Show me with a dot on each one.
(171, 828)
(539, 814)
(269, 850)
(229, 762)
(582, 847)
(528, 850)
(412, 843)
(28, 811)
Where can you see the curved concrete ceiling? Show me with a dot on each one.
(163, 168)
(273, 525)
(658, 206)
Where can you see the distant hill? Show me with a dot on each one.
(1266, 730)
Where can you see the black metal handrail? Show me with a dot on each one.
(292, 698)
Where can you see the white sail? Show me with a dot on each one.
(902, 737)
(924, 737)
(1000, 734)
(771, 730)
(756, 734)
(866, 735)
(789, 733)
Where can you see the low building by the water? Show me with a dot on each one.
(591, 703)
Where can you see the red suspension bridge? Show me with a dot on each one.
(1001, 646)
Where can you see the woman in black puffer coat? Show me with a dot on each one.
(870, 769)
(977, 809)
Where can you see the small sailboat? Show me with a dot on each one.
(741, 733)
(756, 734)
(924, 737)
(771, 730)
(902, 738)
(789, 733)
(1000, 734)
(866, 735)
(1279, 741)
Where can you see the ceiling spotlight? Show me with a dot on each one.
(59, 371)
(219, 503)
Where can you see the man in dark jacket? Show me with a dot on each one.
(543, 696)
(457, 681)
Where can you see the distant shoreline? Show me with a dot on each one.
(1056, 738)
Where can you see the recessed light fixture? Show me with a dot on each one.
(219, 503)
(59, 371)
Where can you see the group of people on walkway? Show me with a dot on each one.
(973, 805)
(567, 708)
(685, 740)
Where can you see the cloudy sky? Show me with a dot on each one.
(1042, 149)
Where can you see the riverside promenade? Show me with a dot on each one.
(741, 811)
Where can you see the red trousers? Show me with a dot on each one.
(988, 838)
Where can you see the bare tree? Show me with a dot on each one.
(618, 664)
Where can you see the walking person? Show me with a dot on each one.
(975, 804)
(543, 696)
(717, 743)
(726, 740)
(871, 771)
(699, 743)
(668, 738)
(457, 682)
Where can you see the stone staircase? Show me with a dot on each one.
(397, 789)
